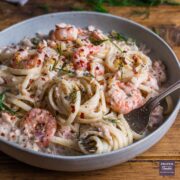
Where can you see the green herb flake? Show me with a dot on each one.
(97, 42)
(117, 36)
(59, 50)
(3, 106)
(64, 71)
(121, 69)
(116, 45)
(72, 96)
(53, 67)
(88, 74)
(35, 41)
(114, 121)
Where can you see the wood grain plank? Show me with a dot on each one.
(168, 145)
(129, 170)
(158, 14)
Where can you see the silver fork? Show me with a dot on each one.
(138, 119)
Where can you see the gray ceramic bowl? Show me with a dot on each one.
(106, 22)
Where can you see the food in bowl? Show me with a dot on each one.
(66, 92)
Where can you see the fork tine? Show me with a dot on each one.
(138, 119)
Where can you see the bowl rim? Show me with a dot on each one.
(90, 156)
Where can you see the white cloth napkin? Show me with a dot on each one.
(21, 2)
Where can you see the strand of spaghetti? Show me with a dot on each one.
(93, 105)
(169, 102)
(90, 114)
(29, 76)
(125, 128)
(19, 103)
(86, 85)
(75, 108)
(60, 120)
(115, 143)
(13, 81)
(110, 57)
(26, 98)
(23, 87)
(55, 100)
(92, 142)
(87, 121)
(64, 142)
(23, 71)
(145, 88)
(51, 101)
(63, 104)
(115, 133)
(93, 102)
(46, 88)
(99, 144)
(62, 108)
(137, 136)
(67, 89)
(103, 102)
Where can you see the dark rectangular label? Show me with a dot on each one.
(167, 168)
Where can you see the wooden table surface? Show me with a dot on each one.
(165, 20)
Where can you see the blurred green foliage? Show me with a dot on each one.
(98, 5)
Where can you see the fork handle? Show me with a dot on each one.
(153, 102)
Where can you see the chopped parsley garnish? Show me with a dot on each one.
(121, 69)
(97, 42)
(35, 41)
(114, 121)
(116, 45)
(59, 50)
(53, 68)
(3, 106)
(113, 36)
(117, 36)
(72, 96)
(64, 71)
(88, 74)
(121, 65)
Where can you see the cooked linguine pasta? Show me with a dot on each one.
(66, 93)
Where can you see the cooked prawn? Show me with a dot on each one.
(124, 97)
(65, 32)
(80, 57)
(39, 124)
(26, 60)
